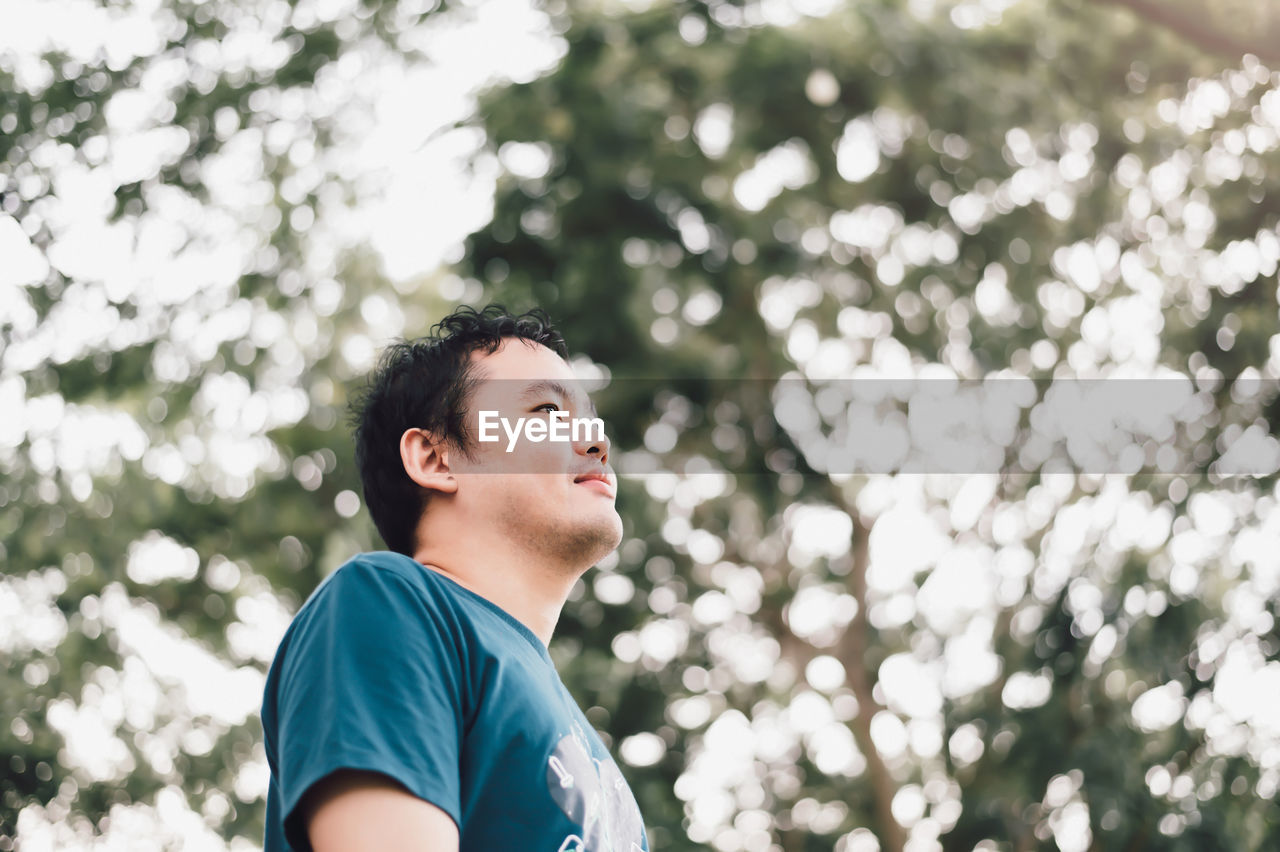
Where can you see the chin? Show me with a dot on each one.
(597, 539)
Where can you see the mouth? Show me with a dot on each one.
(596, 482)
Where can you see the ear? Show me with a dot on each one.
(427, 461)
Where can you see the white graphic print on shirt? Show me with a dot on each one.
(594, 795)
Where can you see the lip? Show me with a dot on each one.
(597, 482)
(597, 485)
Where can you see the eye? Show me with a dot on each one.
(550, 405)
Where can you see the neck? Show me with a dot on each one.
(521, 585)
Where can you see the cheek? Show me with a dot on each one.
(531, 458)
(551, 460)
(541, 492)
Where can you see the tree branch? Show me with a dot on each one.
(853, 655)
(1199, 32)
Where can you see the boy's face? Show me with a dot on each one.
(536, 493)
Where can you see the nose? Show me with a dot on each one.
(595, 445)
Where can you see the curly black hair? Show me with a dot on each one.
(425, 384)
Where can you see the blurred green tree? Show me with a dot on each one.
(742, 191)
(733, 207)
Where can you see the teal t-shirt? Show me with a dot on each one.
(394, 668)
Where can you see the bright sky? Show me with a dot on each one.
(415, 201)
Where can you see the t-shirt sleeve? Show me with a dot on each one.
(370, 680)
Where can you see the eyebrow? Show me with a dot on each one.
(535, 390)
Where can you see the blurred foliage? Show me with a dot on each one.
(699, 193)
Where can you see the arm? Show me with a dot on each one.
(355, 811)
(368, 679)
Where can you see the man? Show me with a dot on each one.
(412, 704)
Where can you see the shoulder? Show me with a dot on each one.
(373, 602)
(380, 576)
(379, 566)
(377, 611)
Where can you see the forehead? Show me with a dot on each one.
(521, 371)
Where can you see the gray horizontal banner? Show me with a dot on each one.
(1169, 425)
